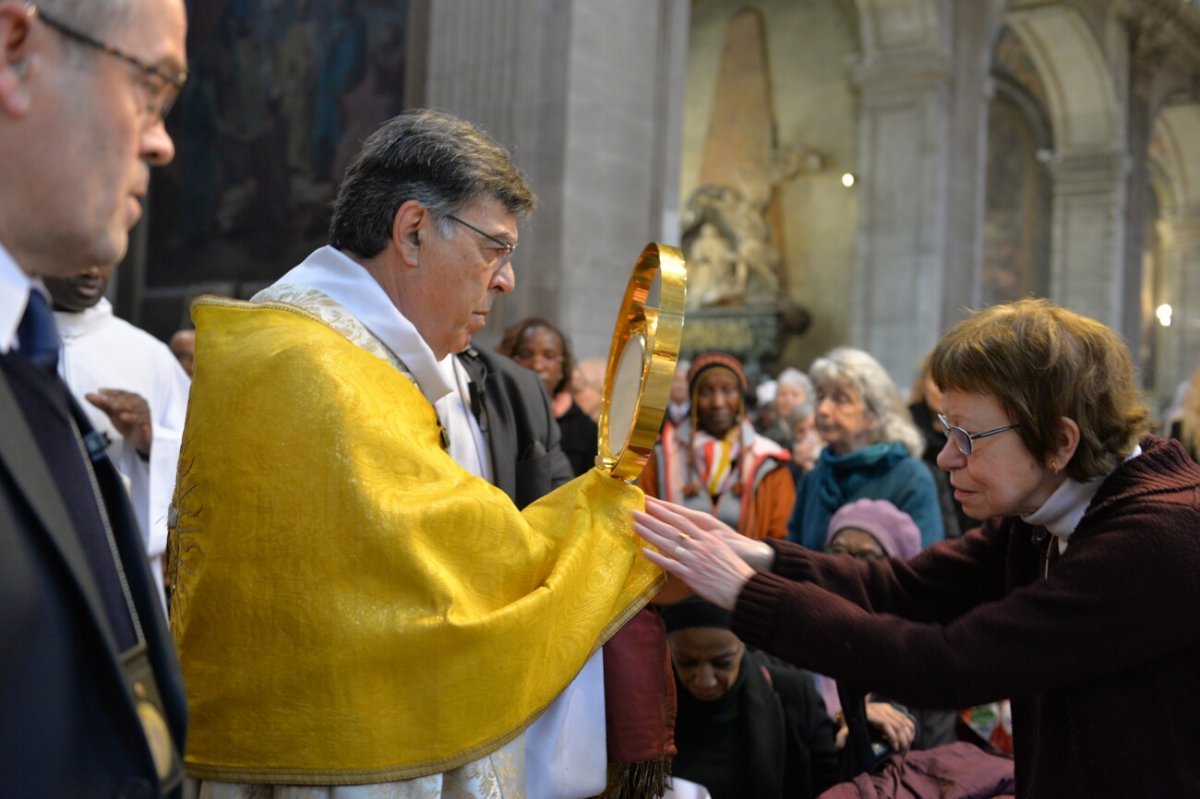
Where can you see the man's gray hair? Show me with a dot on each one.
(436, 159)
(96, 18)
(846, 365)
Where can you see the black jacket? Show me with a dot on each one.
(786, 738)
(514, 413)
(70, 723)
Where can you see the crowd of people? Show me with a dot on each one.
(392, 570)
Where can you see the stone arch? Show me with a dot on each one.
(1080, 90)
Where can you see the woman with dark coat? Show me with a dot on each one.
(1075, 598)
(749, 726)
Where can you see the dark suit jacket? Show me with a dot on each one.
(69, 724)
(514, 413)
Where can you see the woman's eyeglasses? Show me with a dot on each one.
(964, 440)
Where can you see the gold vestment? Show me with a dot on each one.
(350, 605)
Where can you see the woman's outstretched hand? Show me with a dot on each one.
(699, 550)
(756, 553)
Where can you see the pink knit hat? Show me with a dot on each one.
(894, 529)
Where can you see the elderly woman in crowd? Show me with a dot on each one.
(538, 345)
(718, 464)
(869, 529)
(792, 388)
(749, 726)
(1076, 599)
(871, 450)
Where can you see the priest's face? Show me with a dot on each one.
(81, 291)
(470, 268)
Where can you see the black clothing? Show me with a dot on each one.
(71, 724)
(579, 439)
(769, 736)
(1177, 434)
(514, 414)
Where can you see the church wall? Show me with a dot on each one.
(809, 47)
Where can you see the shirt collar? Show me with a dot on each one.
(1061, 512)
(73, 324)
(350, 285)
(15, 286)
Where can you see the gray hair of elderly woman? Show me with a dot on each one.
(849, 366)
(436, 159)
(794, 377)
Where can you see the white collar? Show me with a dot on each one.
(74, 324)
(1061, 512)
(350, 285)
(15, 286)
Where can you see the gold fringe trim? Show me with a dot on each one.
(645, 780)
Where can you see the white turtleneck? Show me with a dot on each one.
(1061, 512)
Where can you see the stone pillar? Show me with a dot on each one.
(1178, 345)
(904, 146)
(587, 94)
(977, 23)
(1088, 235)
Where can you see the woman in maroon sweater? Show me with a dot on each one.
(1077, 599)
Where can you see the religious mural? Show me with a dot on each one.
(280, 96)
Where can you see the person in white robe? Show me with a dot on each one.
(133, 391)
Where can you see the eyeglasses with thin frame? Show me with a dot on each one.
(161, 98)
(966, 441)
(508, 248)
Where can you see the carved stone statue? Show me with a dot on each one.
(731, 256)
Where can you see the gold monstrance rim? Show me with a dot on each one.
(641, 361)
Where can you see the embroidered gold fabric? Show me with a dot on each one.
(350, 605)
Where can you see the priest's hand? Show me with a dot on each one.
(698, 556)
(129, 413)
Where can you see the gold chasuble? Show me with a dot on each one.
(350, 605)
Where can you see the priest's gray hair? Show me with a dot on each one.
(436, 159)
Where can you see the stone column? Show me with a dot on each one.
(588, 96)
(1178, 345)
(1088, 235)
(904, 146)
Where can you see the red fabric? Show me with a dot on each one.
(955, 771)
(639, 691)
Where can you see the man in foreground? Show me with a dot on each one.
(92, 698)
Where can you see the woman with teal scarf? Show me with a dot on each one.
(872, 450)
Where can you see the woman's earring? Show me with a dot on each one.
(1054, 466)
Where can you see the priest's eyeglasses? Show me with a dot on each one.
(163, 87)
(508, 248)
(965, 441)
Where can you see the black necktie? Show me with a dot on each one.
(37, 337)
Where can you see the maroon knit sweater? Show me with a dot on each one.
(1099, 649)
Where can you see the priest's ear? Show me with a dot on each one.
(409, 228)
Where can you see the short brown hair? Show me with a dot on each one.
(1043, 363)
